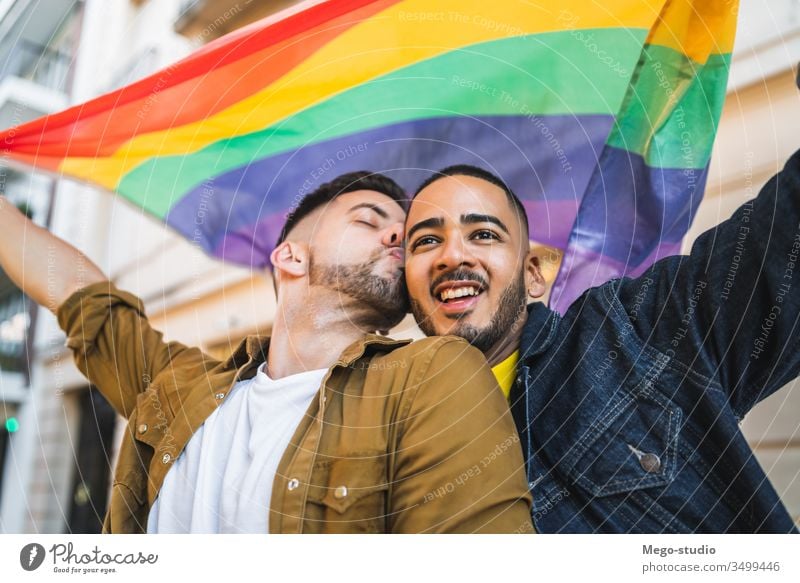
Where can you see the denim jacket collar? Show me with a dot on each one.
(538, 331)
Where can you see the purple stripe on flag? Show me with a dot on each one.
(546, 160)
(631, 216)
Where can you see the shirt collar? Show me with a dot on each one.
(256, 346)
(505, 372)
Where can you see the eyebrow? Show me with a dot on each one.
(471, 219)
(379, 211)
(426, 224)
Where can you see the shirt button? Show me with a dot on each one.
(650, 463)
(219, 396)
(166, 459)
(340, 492)
(143, 428)
(293, 484)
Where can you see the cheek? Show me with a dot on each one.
(416, 280)
(501, 267)
(335, 255)
(354, 249)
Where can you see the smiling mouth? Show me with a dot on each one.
(456, 299)
(453, 294)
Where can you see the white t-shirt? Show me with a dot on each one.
(222, 481)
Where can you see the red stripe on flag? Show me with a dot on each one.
(216, 77)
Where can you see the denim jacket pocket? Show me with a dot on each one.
(632, 445)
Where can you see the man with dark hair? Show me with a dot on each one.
(483, 326)
(324, 427)
(343, 184)
(485, 175)
(628, 405)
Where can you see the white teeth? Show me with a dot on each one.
(458, 292)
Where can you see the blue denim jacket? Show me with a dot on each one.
(628, 406)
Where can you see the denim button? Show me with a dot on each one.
(166, 459)
(340, 492)
(293, 484)
(650, 463)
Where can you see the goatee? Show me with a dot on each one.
(385, 298)
(512, 302)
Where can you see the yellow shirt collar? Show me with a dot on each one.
(505, 372)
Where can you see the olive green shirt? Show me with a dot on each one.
(402, 437)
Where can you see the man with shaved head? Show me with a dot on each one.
(628, 405)
(325, 426)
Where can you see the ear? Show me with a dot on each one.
(534, 280)
(290, 258)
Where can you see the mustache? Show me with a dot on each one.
(460, 274)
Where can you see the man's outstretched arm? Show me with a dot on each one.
(45, 267)
(107, 330)
(730, 311)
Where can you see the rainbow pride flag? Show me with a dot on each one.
(601, 117)
(650, 178)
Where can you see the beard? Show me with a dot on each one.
(513, 301)
(385, 298)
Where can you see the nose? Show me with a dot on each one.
(393, 236)
(454, 253)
